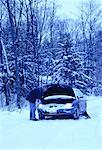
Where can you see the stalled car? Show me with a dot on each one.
(61, 100)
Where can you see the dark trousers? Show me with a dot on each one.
(32, 111)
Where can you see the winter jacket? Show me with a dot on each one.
(36, 93)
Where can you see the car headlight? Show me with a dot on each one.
(68, 105)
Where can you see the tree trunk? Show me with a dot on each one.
(14, 38)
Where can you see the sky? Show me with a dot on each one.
(69, 8)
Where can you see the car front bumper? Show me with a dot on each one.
(59, 112)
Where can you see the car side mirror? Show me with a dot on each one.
(79, 97)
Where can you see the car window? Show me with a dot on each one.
(78, 93)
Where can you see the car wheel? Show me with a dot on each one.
(76, 114)
(41, 116)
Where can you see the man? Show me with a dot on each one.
(35, 95)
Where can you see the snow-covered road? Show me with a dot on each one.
(17, 132)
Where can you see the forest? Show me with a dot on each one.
(39, 47)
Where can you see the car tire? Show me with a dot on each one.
(41, 116)
(76, 114)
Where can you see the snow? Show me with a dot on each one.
(45, 79)
(5, 55)
(1, 75)
(17, 132)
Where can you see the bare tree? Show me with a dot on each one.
(1, 57)
(15, 29)
(4, 66)
(52, 24)
(90, 20)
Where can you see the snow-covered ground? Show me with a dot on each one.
(17, 132)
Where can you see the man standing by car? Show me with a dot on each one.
(35, 95)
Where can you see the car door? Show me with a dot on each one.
(82, 100)
(82, 105)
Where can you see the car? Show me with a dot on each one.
(61, 100)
